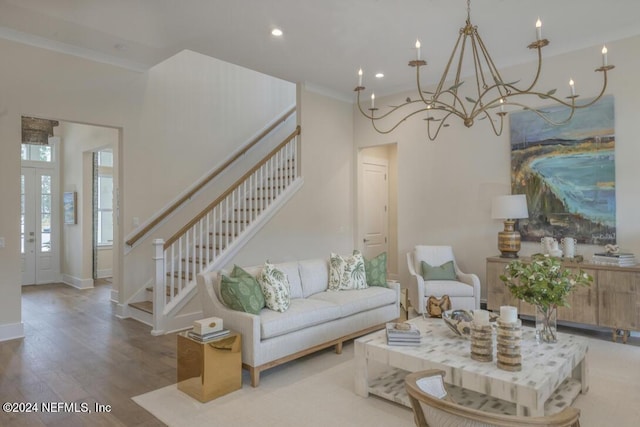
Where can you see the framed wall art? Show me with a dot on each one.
(567, 173)
(69, 203)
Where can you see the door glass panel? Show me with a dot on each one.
(45, 214)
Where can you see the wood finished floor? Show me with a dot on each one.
(76, 350)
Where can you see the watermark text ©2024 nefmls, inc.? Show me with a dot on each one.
(54, 407)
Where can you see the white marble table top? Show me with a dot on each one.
(544, 366)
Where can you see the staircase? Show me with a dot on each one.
(211, 239)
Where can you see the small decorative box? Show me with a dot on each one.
(207, 326)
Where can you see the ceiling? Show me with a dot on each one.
(324, 41)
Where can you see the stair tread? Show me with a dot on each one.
(146, 306)
(167, 290)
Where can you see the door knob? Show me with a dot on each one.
(365, 240)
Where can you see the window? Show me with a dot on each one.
(38, 153)
(104, 202)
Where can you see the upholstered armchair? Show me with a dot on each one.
(433, 407)
(463, 289)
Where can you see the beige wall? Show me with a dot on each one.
(445, 187)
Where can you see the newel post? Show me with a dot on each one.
(158, 287)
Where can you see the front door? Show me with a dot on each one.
(39, 226)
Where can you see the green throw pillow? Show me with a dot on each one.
(241, 292)
(376, 270)
(445, 271)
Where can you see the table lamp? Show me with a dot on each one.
(509, 208)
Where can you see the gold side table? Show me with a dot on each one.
(207, 370)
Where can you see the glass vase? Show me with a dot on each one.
(547, 324)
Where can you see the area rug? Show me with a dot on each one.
(318, 391)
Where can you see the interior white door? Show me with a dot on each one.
(375, 199)
(39, 226)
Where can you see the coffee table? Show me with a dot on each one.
(546, 369)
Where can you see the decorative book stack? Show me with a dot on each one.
(209, 336)
(619, 259)
(403, 334)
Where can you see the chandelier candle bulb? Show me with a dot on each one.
(538, 30)
(373, 101)
(508, 314)
(573, 87)
(604, 56)
(418, 50)
(360, 77)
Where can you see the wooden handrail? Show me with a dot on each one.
(235, 185)
(208, 179)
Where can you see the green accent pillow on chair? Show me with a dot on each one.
(241, 291)
(376, 270)
(445, 271)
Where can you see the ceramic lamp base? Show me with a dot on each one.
(509, 240)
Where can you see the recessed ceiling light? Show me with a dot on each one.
(276, 32)
(379, 75)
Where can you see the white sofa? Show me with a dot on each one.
(463, 292)
(316, 319)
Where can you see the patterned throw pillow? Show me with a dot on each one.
(347, 273)
(241, 291)
(275, 288)
(445, 271)
(376, 270)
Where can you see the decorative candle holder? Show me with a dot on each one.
(509, 336)
(481, 342)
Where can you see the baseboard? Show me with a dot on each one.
(76, 282)
(103, 274)
(11, 331)
(114, 295)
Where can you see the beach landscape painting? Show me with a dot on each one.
(567, 173)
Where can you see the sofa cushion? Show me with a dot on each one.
(445, 271)
(302, 313)
(347, 272)
(241, 291)
(293, 274)
(275, 288)
(314, 276)
(376, 270)
(447, 287)
(356, 301)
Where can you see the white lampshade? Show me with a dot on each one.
(509, 207)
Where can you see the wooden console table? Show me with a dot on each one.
(612, 300)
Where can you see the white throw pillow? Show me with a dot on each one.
(347, 273)
(275, 288)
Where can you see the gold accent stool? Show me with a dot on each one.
(207, 370)
(509, 336)
(481, 342)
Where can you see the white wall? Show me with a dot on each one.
(194, 112)
(445, 187)
(319, 219)
(79, 141)
(172, 130)
(45, 84)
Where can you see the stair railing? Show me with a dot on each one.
(207, 237)
(207, 179)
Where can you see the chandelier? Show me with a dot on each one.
(490, 95)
